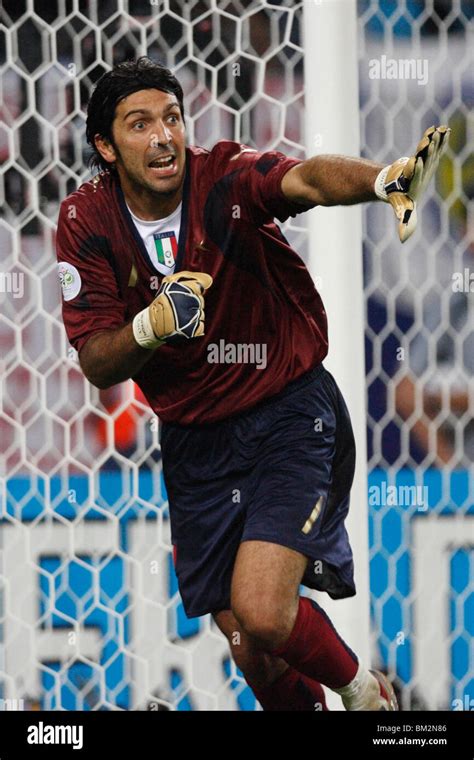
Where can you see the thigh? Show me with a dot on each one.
(268, 573)
(265, 590)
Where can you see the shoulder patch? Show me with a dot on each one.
(70, 280)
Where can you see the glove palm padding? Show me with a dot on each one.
(407, 178)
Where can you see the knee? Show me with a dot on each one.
(267, 625)
(259, 668)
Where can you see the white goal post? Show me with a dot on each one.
(335, 261)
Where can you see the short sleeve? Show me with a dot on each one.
(91, 300)
(258, 178)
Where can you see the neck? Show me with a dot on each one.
(148, 205)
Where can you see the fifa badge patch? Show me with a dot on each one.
(70, 280)
(166, 248)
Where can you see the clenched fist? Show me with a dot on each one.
(178, 309)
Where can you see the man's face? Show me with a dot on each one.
(149, 142)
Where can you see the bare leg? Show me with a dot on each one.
(265, 587)
(266, 603)
(259, 667)
(276, 684)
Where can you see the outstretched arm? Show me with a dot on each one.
(339, 180)
(331, 181)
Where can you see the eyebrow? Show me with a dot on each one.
(147, 112)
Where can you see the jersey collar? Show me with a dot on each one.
(184, 221)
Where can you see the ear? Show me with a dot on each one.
(105, 148)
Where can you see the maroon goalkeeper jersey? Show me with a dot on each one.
(265, 321)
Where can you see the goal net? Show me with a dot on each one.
(90, 614)
(416, 63)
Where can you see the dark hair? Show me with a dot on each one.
(124, 79)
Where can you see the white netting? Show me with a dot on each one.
(91, 617)
(416, 69)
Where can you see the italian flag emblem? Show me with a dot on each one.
(166, 248)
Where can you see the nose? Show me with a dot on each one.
(162, 135)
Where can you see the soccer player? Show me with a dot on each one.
(175, 274)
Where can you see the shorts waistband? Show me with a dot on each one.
(291, 387)
(265, 403)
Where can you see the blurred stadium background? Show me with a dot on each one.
(90, 615)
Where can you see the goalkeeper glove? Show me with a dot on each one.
(178, 309)
(403, 183)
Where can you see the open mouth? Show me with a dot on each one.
(163, 166)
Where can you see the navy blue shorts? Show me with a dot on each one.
(280, 472)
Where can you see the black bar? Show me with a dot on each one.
(118, 734)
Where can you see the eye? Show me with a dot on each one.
(175, 118)
(139, 125)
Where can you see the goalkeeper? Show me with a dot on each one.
(172, 251)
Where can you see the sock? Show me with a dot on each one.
(315, 648)
(291, 691)
(362, 688)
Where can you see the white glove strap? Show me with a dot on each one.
(143, 331)
(379, 184)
